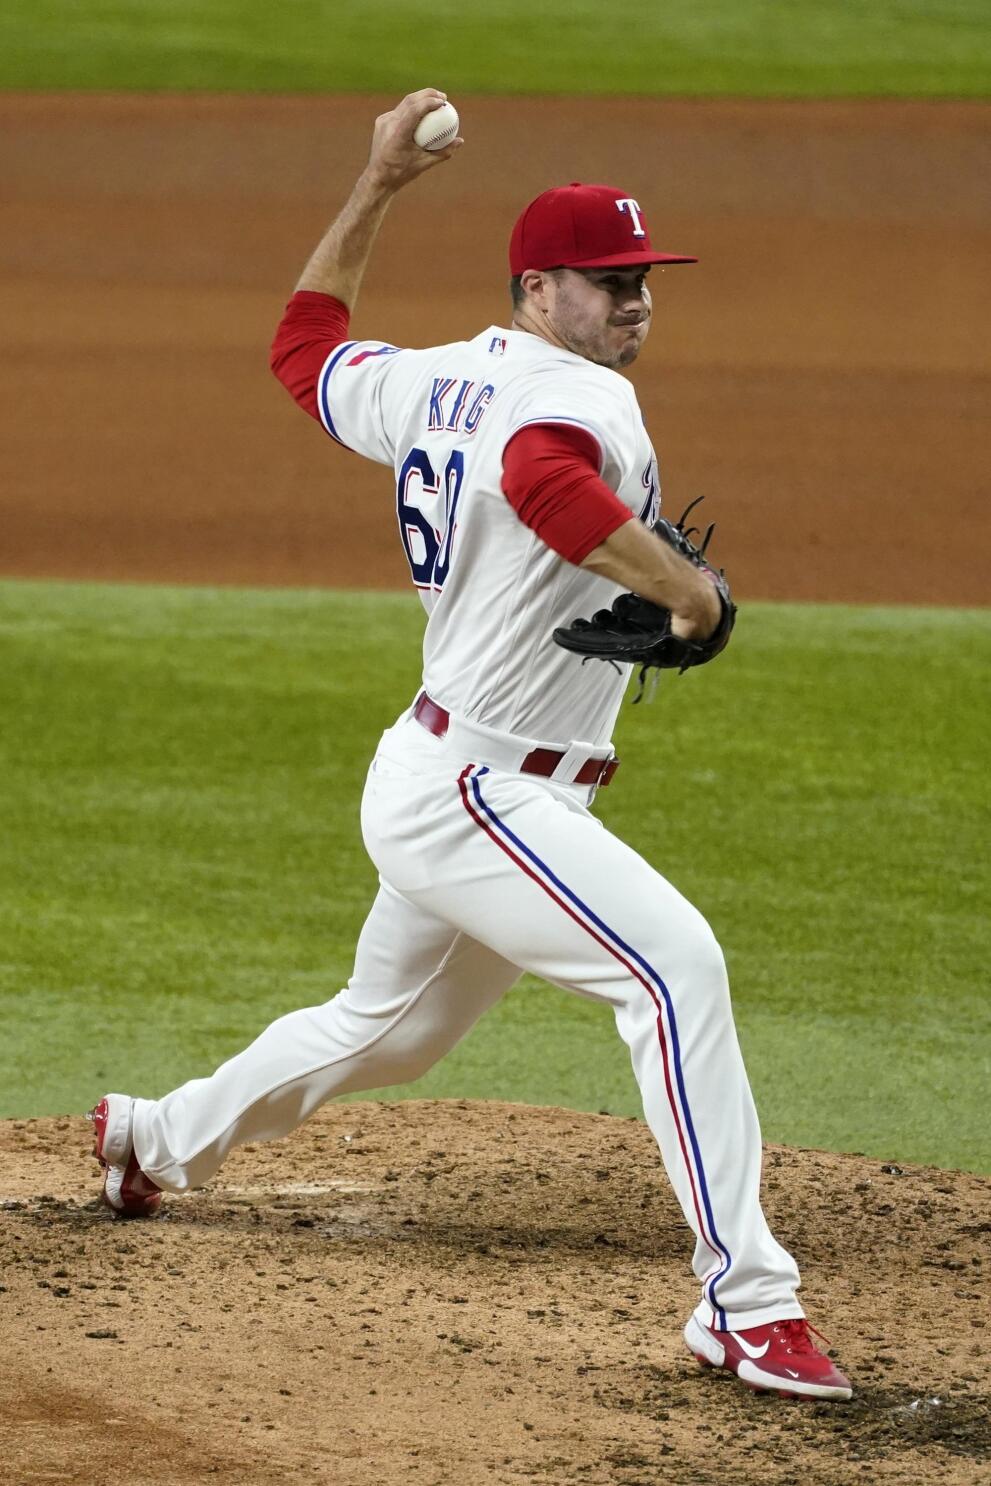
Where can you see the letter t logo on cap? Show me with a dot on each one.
(627, 204)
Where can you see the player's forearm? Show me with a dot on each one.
(338, 263)
(340, 259)
(638, 560)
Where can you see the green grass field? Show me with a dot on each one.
(181, 860)
(757, 48)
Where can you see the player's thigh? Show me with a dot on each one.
(549, 888)
(407, 953)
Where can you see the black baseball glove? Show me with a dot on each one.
(638, 632)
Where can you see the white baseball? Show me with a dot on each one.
(438, 128)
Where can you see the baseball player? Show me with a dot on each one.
(525, 489)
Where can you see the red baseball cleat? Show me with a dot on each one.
(126, 1190)
(780, 1357)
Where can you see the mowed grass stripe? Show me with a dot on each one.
(181, 859)
(767, 48)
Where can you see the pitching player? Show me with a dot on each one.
(525, 485)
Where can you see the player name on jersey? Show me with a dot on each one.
(462, 413)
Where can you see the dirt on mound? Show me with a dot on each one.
(446, 1292)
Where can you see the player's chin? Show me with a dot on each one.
(618, 349)
(629, 350)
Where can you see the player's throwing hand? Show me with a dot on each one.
(395, 158)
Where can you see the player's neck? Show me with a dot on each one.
(540, 327)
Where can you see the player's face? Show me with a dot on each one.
(602, 314)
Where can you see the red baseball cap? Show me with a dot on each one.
(580, 226)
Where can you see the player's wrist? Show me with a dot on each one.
(376, 185)
(711, 609)
(697, 615)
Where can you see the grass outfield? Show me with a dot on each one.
(759, 48)
(181, 860)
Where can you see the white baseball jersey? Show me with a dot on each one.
(494, 592)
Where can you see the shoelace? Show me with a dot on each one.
(797, 1334)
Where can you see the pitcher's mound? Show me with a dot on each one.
(473, 1294)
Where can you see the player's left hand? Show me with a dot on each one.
(395, 158)
(636, 631)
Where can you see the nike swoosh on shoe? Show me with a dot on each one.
(752, 1352)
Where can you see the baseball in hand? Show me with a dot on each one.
(437, 129)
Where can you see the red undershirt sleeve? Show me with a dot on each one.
(550, 476)
(313, 324)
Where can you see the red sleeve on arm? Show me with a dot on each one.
(550, 476)
(311, 327)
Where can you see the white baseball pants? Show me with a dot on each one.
(486, 872)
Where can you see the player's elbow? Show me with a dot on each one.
(282, 351)
(601, 562)
(277, 364)
(611, 557)
(296, 362)
(289, 353)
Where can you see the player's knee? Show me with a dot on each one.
(710, 964)
(691, 961)
(404, 1060)
(404, 1068)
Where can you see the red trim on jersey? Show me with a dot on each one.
(313, 324)
(550, 476)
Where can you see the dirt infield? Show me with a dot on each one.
(818, 376)
(471, 1295)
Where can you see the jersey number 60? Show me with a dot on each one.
(427, 508)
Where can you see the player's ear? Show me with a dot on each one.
(534, 282)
